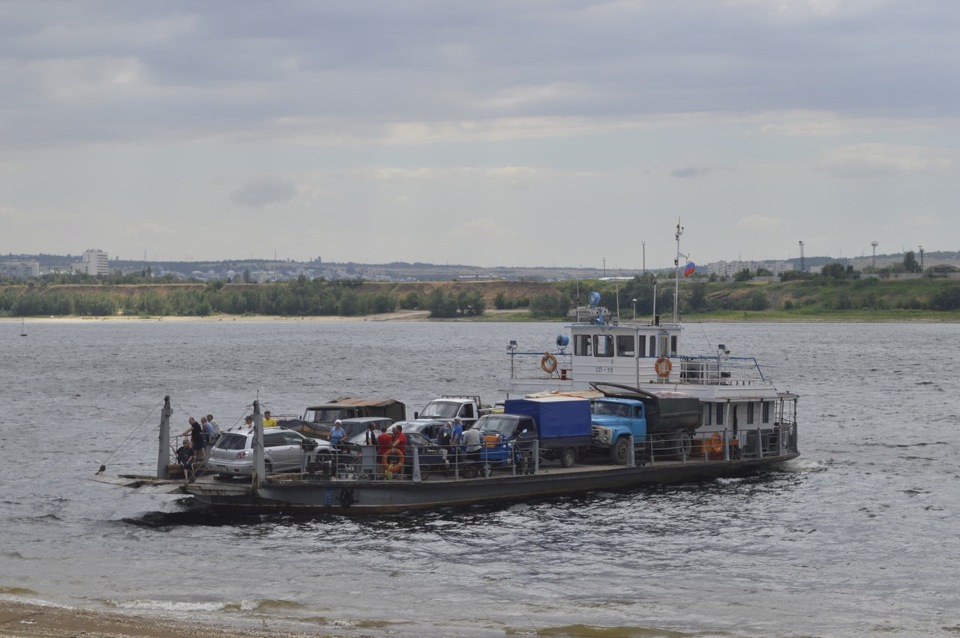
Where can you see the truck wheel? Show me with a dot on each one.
(619, 451)
(568, 457)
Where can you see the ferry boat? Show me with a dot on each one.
(745, 425)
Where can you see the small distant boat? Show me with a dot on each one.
(23, 331)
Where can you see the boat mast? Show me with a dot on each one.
(676, 264)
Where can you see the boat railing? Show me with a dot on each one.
(543, 365)
(722, 445)
(519, 458)
(693, 369)
(725, 370)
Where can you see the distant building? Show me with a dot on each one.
(730, 268)
(93, 262)
(20, 269)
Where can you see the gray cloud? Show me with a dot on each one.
(689, 172)
(522, 115)
(258, 192)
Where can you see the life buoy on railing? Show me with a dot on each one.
(393, 461)
(663, 366)
(715, 445)
(548, 363)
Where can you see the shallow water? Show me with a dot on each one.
(857, 537)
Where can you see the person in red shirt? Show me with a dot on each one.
(384, 443)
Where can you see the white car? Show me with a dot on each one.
(283, 451)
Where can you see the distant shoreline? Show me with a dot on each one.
(493, 315)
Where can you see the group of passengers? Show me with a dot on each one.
(193, 450)
(462, 445)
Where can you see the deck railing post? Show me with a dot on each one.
(726, 446)
(631, 458)
(163, 454)
(759, 443)
(416, 464)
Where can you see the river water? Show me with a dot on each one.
(858, 537)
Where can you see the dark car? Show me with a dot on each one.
(429, 430)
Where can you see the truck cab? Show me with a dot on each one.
(499, 432)
(613, 421)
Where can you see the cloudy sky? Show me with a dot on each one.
(491, 133)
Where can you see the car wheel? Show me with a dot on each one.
(568, 457)
(268, 467)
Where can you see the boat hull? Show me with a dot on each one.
(313, 495)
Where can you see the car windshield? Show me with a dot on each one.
(499, 424)
(232, 442)
(416, 439)
(440, 410)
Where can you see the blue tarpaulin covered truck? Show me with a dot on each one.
(561, 424)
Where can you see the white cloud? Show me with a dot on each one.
(877, 160)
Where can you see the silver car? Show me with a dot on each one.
(283, 451)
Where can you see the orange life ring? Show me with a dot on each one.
(548, 363)
(715, 446)
(395, 467)
(663, 366)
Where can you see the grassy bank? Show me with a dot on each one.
(813, 299)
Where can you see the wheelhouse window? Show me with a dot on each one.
(707, 413)
(652, 352)
(663, 350)
(603, 345)
(673, 345)
(625, 346)
(765, 411)
(582, 345)
(749, 414)
(719, 414)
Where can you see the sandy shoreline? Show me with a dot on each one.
(32, 620)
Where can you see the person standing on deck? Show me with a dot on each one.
(371, 436)
(214, 425)
(185, 456)
(337, 434)
(209, 433)
(456, 434)
(456, 438)
(400, 439)
(196, 439)
(268, 421)
(445, 435)
(384, 441)
(471, 440)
